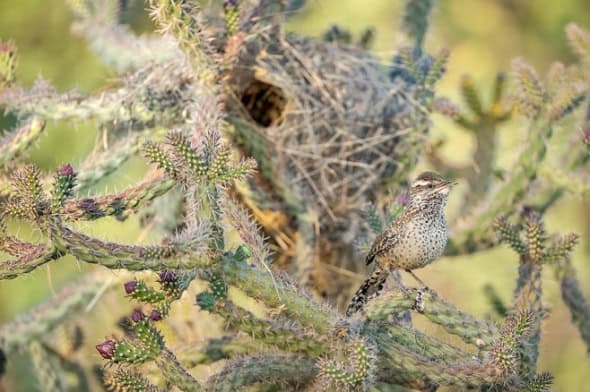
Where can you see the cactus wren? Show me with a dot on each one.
(413, 240)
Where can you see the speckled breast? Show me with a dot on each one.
(421, 242)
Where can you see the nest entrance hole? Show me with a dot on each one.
(265, 103)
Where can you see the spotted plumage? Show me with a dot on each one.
(414, 240)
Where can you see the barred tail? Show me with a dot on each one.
(369, 289)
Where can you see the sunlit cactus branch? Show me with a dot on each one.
(278, 294)
(277, 159)
(454, 321)
(189, 252)
(278, 370)
(120, 204)
(116, 44)
(34, 324)
(153, 94)
(13, 144)
(579, 307)
(36, 256)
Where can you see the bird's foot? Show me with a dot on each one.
(419, 302)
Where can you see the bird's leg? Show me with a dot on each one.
(398, 281)
(424, 287)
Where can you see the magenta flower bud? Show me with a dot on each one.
(4, 47)
(106, 349)
(130, 286)
(167, 276)
(402, 199)
(137, 316)
(587, 136)
(155, 315)
(66, 170)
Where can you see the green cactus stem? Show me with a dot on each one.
(123, 380)
(175, 374)
(465, 375)
(15, 143)
(275, 293)
(454, 321)
(36, 256)
(120, 204)
(34, 324)
(184, 253)
(280, 370)
(574, 298)
(352, 371)
(220, 348)
(183, 22)
(116, 44)
(48, 375)
(291, 338)
(415, 20)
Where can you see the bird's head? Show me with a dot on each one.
(429, 187)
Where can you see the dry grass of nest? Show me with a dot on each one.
(330, 115)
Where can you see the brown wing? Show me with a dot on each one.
(382, 243)
(387, 239)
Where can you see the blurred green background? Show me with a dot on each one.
(482, 35)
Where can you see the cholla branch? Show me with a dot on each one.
(175, 374)
(13, 144)
(469, 374)
(48, 376)
(579, 41)
(154, 94)
(290, 299)
(122, 380)
(351, 373)
(288, 337)
(8, 61)
(34, 257)
(120, 204)
(216, 349)
(415, 21)
(279, 370)
(104, 163)
(454, 321)
(116, 44)
(179, 253)
(33, 325)
(572, 295)
(330, 132)
(184, 21)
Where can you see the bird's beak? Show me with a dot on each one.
(445, 186)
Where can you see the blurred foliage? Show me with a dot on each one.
(483, 37)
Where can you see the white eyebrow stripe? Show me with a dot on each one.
(421, 183)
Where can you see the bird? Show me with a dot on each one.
(413, 240)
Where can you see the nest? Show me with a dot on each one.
(330, 115)
(330, 120)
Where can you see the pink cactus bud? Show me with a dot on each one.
(106, 349)
(130, 286)
(167, 276)
(66, 170)
(137, 316)
(156, 315)
(402, 199)
(4, 47)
